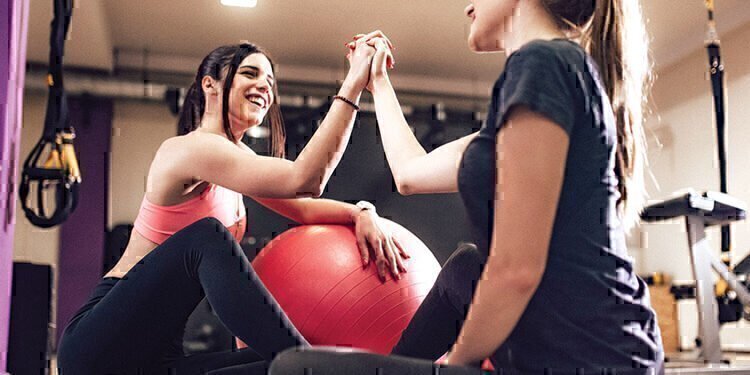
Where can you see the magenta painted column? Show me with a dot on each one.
(14, 16)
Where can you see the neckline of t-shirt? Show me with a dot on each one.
(541, 40)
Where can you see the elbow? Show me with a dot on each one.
(308, 182)
(403, 185)
(316, 191)
(404, 189)
(310, 191)
(520, 280)
(309, 188)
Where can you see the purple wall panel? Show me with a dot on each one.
(82, 235)
(14, 16)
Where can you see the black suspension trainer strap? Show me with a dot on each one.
(58, 171)
(716, 69)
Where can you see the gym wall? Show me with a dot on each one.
(684, 122)
(138, 130)
(33, 244)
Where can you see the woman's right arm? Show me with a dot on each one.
(215, 159)
(414, 170)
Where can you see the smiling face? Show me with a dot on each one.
(252, 92)
(490, 20)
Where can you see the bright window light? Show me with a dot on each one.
(240, 3)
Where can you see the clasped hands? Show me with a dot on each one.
(370, 56)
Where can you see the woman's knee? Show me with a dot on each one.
(208, 224)
(460, 274)
(466, 261)
(207, 228)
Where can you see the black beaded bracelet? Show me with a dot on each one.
(347, 101)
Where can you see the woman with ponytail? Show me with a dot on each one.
(551, 183)
(184, 244)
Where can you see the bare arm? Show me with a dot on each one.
(414, 170)
(386, 251)
(527, 193)
(312, 211)
(214, 159)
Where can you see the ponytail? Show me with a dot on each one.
(614, 34)
(192, 110)
(616, 38)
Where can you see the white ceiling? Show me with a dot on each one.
(306, 37)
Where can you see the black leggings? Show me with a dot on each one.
(135, 325)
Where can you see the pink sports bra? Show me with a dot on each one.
(157, 223)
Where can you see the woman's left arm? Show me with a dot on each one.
(388, 254)
(312, 210)
(531, 152)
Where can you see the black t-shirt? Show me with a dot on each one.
(590, 310)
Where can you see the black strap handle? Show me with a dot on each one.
(60, 169)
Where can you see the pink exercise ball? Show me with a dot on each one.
(315, 273)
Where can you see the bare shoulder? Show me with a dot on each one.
(195, 154)
(170, 177)
(182, 161)
(191, 142)
(175, 154)
(192, 147)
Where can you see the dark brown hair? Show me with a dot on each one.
(221, 64)
(614, 34)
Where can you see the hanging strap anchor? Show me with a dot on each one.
(51, 170)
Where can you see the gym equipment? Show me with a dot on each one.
(315, 273)
(702, 211)
(724, 302)
(716, 69)
(59, 171)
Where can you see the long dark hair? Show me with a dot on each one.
(221, 65)
(614, 34)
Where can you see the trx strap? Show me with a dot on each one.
(716, 69)
(57, 168)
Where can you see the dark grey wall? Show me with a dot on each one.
(438, 219)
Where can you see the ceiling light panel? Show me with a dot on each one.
(240, 3)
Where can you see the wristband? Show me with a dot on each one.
(347, 101)
(365, 205)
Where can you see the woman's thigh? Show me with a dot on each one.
(140, 321)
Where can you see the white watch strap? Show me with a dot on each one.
(365, 205)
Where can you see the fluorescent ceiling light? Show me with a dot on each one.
(240, 3)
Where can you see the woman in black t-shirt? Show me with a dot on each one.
(551, 183)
